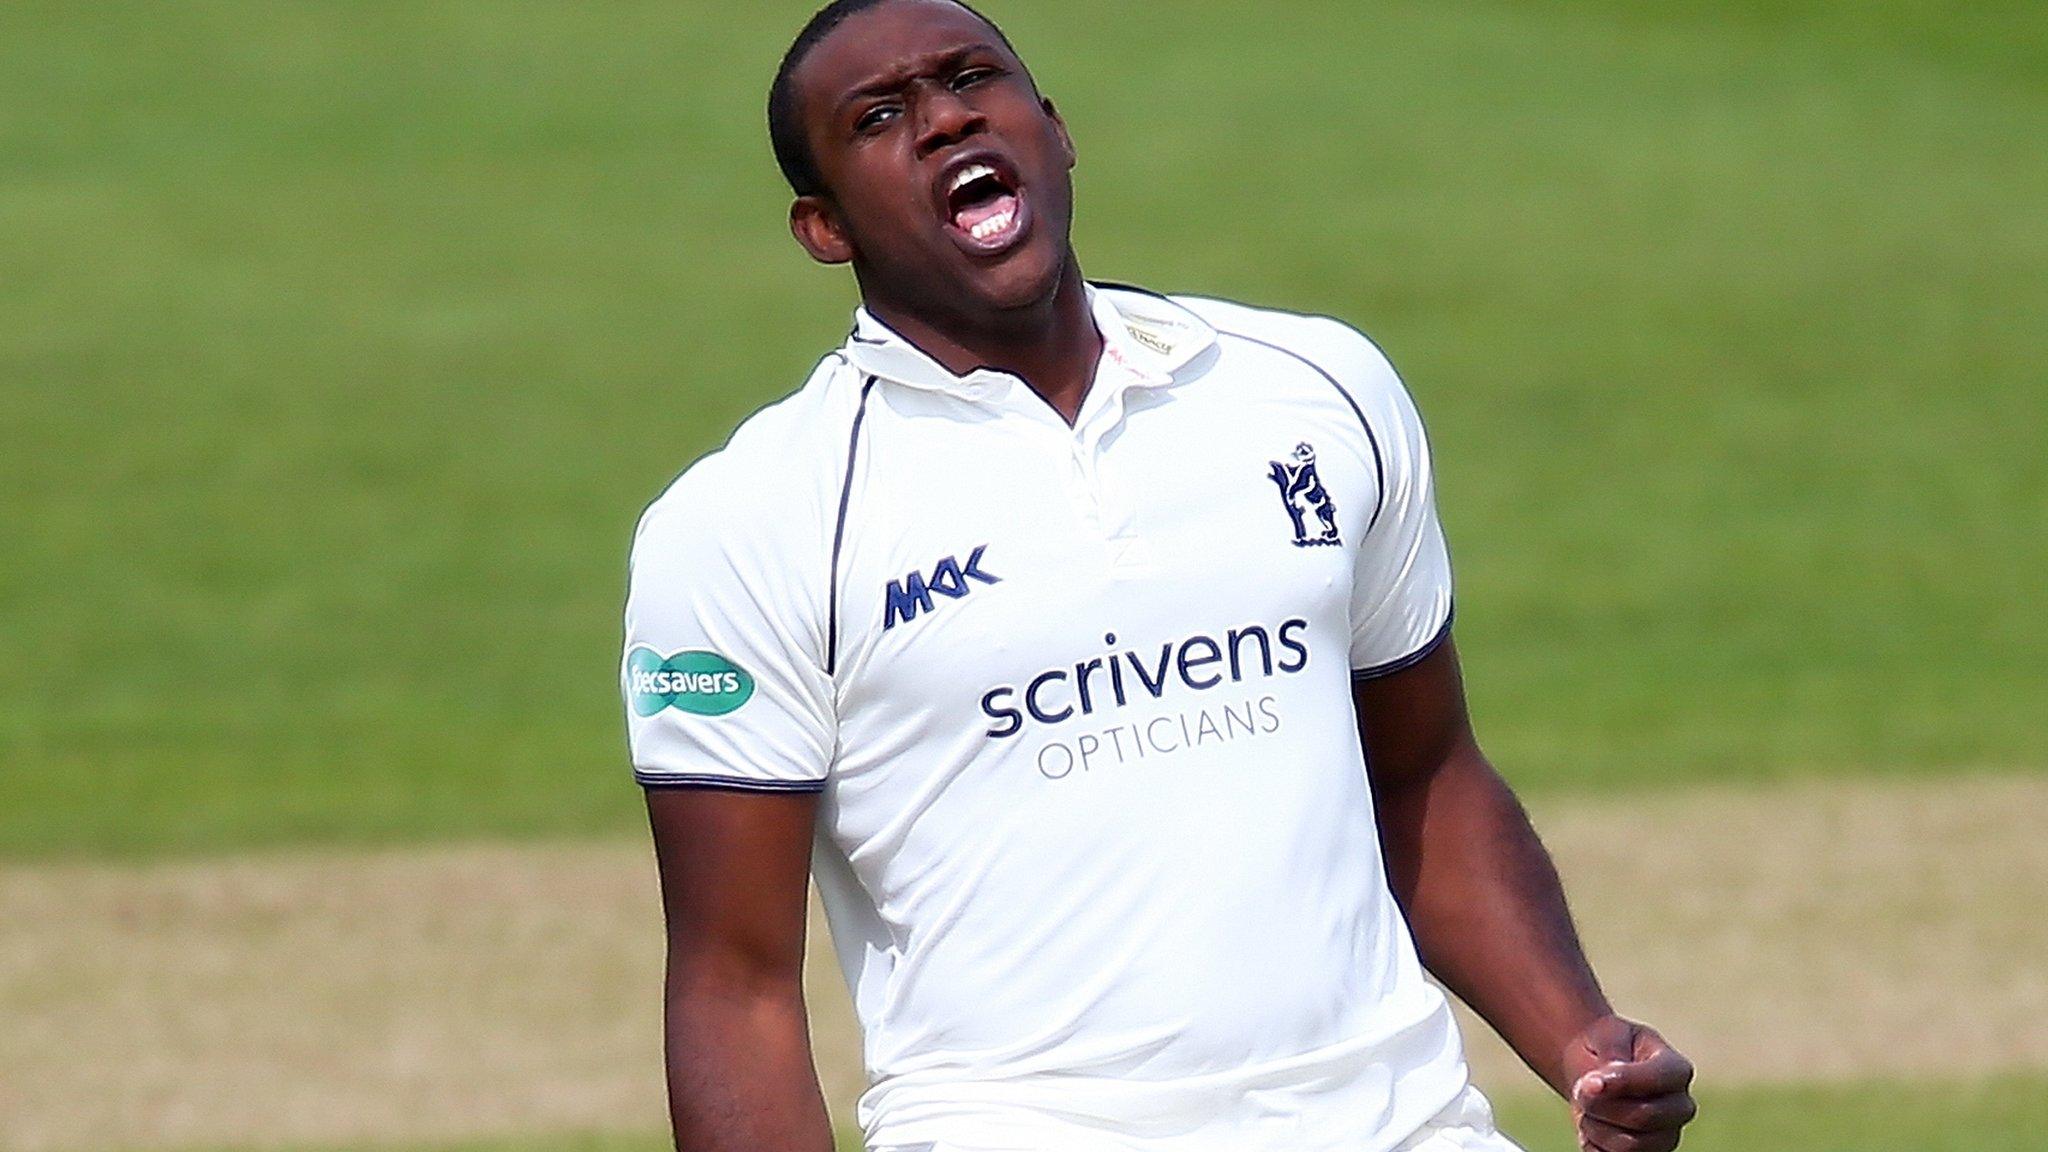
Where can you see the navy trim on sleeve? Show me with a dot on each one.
(1379, 463)
(860, 414)
(1411, 659)
(726, 783)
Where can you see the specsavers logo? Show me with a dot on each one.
(701, 682)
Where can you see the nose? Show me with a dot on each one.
(944, 119)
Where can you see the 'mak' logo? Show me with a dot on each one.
(913, 593)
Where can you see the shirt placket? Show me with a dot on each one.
(1108, 505)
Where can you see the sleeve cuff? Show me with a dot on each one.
(725, 783)
(1410, 660)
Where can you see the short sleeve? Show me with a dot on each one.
(1401, 587)
(721, 673)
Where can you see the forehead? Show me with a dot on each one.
(891, 41)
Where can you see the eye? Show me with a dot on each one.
(875, 117)
(969, 77)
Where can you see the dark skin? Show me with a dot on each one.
(1489, 915)
(892, 100)
(734, 866)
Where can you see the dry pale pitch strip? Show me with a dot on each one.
(1792, 934)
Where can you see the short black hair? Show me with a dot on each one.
(785, 125)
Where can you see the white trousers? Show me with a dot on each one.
(1465, 1126)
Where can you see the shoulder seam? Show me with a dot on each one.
(860, 414)
(1379, 463)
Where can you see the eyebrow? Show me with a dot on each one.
(896, 79)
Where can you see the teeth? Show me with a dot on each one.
(994, 225)
(969, 173)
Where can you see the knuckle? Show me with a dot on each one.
(1621, 1113)
(1633, 1114)
(1607, 1137)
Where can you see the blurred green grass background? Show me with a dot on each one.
(341, 343)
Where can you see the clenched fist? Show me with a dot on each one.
(1630, 1091)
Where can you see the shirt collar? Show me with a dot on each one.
(1149, 337)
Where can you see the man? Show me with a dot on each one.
(1078, 640)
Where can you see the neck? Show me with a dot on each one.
(1051, 345)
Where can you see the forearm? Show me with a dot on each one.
(1486, 908)
(740, 1074)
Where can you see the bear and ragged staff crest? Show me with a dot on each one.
(1308, 503)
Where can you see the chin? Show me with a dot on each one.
(1026, 280)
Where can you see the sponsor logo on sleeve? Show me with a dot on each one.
(699, 682)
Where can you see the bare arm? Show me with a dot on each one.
(733, 872)
(1489, 914)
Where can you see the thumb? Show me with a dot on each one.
(1610, 1040)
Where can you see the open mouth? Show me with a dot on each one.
(983, 204)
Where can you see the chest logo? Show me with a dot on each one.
(1307, 502)
(913, 594)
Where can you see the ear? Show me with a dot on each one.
(1059, 126)
(814, 221)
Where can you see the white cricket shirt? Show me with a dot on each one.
(1095, 840)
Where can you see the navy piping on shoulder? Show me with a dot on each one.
(724, 783)
(1411, 659)
(1121, 287)
(860, 414)
(1379, 463)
